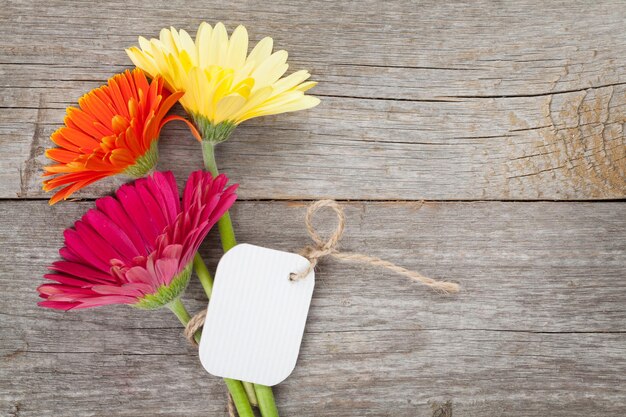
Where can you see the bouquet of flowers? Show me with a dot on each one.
(140, 246)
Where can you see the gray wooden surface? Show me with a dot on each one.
(485, 110)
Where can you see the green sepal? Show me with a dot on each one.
(214, 133)
(145, 163)
(165, 294)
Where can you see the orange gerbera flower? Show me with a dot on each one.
(114, 131)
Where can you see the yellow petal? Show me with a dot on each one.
(227, 106)
(203, 43)
(279, 99)
(176, 39)
(142, 61)
(261, 51)
(290, 81)
(271, 69)
(237, 48)
(144, 44)
(186, 61)
(188, 46)
(194, 99)
(177, 73)
(306, 86)
(205, 90)
(256, 99)
(218, 45)
(160, 56)
(305, 102)
(243, 72)
(165, 36)
(243, 88)
(223, 85)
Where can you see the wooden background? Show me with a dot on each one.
(507, 119)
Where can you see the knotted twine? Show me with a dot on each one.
(321, 249)
(329, 247)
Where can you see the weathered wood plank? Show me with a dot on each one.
(539, 327)
(436, 101)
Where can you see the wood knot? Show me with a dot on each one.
(442, 409)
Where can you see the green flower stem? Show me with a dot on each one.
(249, 388)
(203, 274)
(208, 153)
(227, 233)
(224, 224)
(239, 397)
(181, 312)
(267, 405)
(264, 394)
(234, 387)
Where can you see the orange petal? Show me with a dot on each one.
(193, 129)
(61, 155)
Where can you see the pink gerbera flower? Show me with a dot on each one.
(137, 247)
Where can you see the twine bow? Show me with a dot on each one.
(323, 248)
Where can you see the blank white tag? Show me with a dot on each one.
(256, 316)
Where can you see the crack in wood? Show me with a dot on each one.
(549, 93)
(30, 165)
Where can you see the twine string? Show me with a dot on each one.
(314, 252)
(230, 406)
(193, 326)
(329, 247)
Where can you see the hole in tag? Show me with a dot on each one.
(298, 276)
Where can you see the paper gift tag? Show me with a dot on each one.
(256, 316)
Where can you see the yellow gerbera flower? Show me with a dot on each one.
(223, 84)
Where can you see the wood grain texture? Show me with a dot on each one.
(467, 101)
(420, 100)
(538, 329)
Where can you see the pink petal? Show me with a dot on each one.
(80, 271)
(115, 290)
(105, 300)
(165, 190)
(140, 274)
(114, 211)
(58, 305)
(155, 210)
(64, 279)
(173, 251)
(166, 269)
(75, 243)
(97, 245)
(138, 214)
(112, 232)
